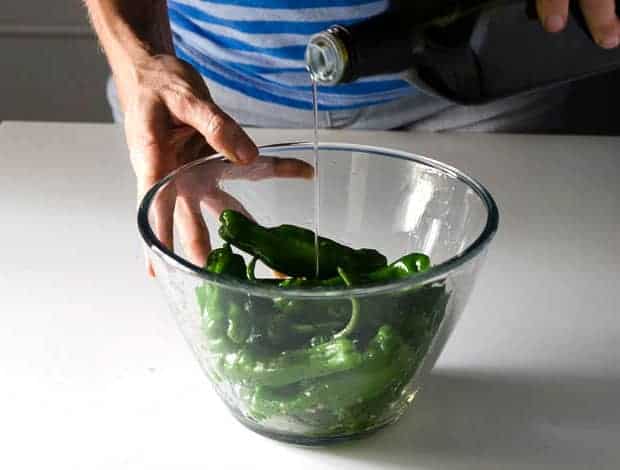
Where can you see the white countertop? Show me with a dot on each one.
(95, 375)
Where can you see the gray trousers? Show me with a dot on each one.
(536, 112)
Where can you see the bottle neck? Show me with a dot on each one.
(327, 56)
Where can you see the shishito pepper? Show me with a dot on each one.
(334, 365)
(286, 330)
(224, 318)
(252, 277)
(290, 249)
(385, 365)
(424, 308)
(246, 367)
(403, 267)
(224, 261)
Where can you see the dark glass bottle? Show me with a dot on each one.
(449, 48)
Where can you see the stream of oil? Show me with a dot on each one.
(317, 179)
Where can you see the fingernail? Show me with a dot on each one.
(554, 23)
(609, 42)
(246, 151)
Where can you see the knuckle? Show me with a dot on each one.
(188, 99)
(182, 97)
(216, 124)
(178, 91)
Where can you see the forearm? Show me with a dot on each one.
(130, 31)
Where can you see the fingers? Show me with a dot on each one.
(164, 110)
(148, 152)
(218, 200)
(143, 129)
(553, 14)
(163, 210)
(600, 15)
(292, 168)
(192, 231)
(270, 167)
(162, 221)
(602, 21)
(220, 131)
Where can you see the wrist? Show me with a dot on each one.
(132, 52)
(131, 33)
(135, 65)
(128, 63)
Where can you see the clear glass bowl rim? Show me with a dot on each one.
(436, 272)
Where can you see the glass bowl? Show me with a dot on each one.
(319, 365)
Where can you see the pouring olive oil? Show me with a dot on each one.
(317, 174)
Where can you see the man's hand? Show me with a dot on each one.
(170, 120)
(600, 16)
(169, 116)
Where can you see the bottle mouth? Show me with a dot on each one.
(327, 58)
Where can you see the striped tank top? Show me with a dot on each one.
(256, 49)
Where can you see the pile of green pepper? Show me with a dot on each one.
(337, 366)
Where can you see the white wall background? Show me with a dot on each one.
(51, 67)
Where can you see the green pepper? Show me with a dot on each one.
(350, 279)
(290, 249)
(244, 366)
(224, 261)
(336, 365)
(403, 267)
(251, 268)
(415, 312)
(214, 322)
(286, 331)
(362, 416)
(224, 318)
(304, 283)
(239, 328)
(386, 365)
(252, 277)
(295, 321)
(424, 309)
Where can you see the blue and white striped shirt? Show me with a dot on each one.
(256, 48)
